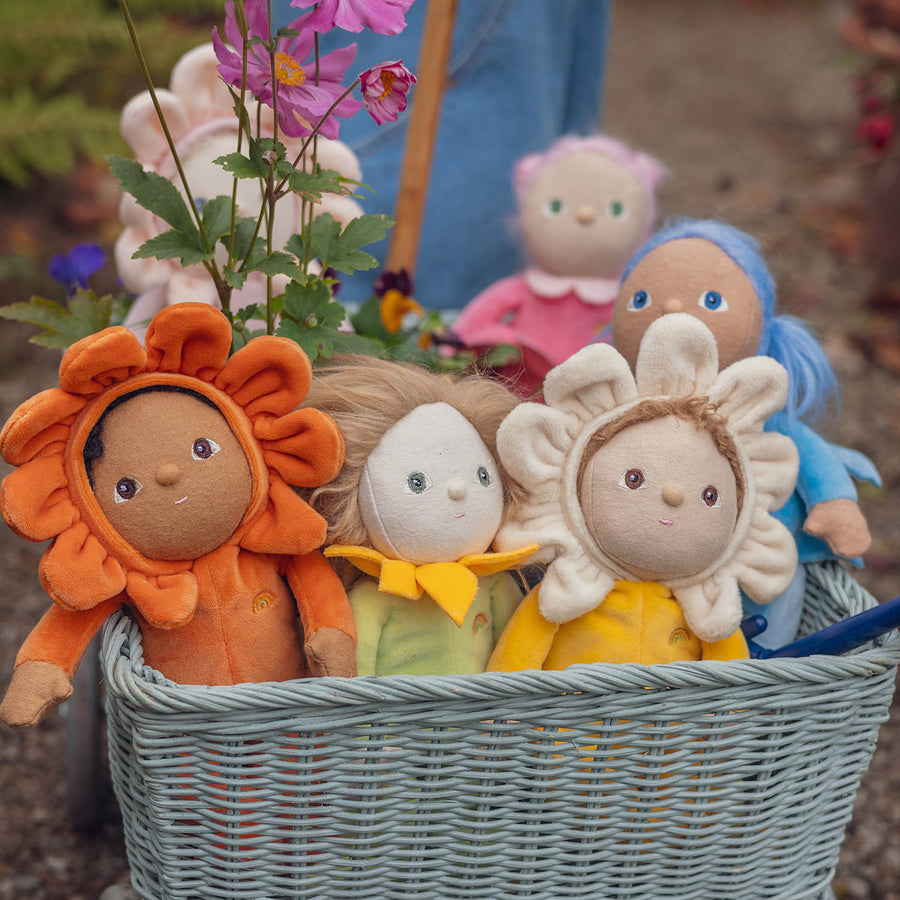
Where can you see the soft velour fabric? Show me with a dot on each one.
(223, 615)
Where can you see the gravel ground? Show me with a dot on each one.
(751, 111)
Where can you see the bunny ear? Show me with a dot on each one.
(195, 81)
(677, 356)
(593, 381)
(749, 391)
(141, 128)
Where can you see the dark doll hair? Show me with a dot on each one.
(93, 446)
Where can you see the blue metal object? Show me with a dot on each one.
(833, 640)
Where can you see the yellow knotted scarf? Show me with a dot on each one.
(452, 585)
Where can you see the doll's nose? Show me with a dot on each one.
(167, 473)
(672, 305)
(456, 490)
(585, 214)
(673, 495)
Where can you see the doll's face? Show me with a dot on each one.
(694, 276)
(173, 479)
(659, 499)
(584, 215)
(431, 491)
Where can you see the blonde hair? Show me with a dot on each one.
(366, 397)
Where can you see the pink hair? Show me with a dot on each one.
(648, 171)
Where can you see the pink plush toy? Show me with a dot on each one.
(585, 205)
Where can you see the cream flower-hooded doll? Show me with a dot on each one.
(650, 496)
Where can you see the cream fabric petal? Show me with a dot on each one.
(594, 380)
(196, 82)
(767, 560)
(774, 462)
(749, 391)
(677, 357)
(542, 524)
(532, 442)
(140, 125)
(712, 609)
(572, 586)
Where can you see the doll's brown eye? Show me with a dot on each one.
(632, 479)
(126, 488)
(710, 497)
(204, 448)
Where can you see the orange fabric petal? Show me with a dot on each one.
(77, 572)
(100, 360)
(165, 601)
(287, 524)
(34, 499)
(268, 375)
(304, 447)
(191, 338)
(39, 426)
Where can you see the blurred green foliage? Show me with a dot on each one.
(67, 67)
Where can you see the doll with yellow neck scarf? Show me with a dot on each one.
(414, 510)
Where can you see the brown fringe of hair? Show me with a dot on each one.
(366, 397)
(696, 410)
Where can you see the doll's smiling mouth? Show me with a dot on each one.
(458, 515)
(666, 522)
(182, 500)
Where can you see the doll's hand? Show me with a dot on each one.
(36, 688)
(841, 524)
(331, 652)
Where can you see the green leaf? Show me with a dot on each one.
(346, 342)
(235, 279)
(84, 314)
(173, 244)
(153, 192)
(243, 235)
(367, 230)
(331, 249)
(314, 342)
(311, 184)
(240, 111)
(241, 166)
(367, 321)
(277, 263)
(216, 218)
(303, 300)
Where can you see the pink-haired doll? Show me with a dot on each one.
(585, 205)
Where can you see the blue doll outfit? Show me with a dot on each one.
(521, 74)
(826, 473)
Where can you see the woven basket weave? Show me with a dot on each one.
(689, 780)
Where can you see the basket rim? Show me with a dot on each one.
(140, 686)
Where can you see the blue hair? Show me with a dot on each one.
(786, 339)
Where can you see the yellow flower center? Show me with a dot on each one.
(287, 70)
(387, 79)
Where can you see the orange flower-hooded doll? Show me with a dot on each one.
(162, 477)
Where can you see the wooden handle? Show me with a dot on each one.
(437, 38)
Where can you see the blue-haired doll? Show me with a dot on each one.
(716, 273)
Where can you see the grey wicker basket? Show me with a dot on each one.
(690, 780)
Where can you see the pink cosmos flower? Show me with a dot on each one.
(382, 16)
(302, 97)
(384, 90)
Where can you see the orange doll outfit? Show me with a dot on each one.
(227, 616)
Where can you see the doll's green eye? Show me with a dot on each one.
(417, 483)
(204, 448)
(484, 477)
(553, 207)
(616, 209)
(126, 488)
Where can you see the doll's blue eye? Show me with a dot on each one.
(417, 483)
(639, 300)
(126, 488)
(714, 301)
(484, 477)
(553, 207)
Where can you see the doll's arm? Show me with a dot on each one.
(481, 323)
(328, 627)
(506, 595)
(371, 609)
(830, 496)
(733, 647)
(526, 640)
(47, 661)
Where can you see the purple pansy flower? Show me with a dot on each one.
(303, 96)
(73, 269)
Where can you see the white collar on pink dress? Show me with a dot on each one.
(594, 291)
